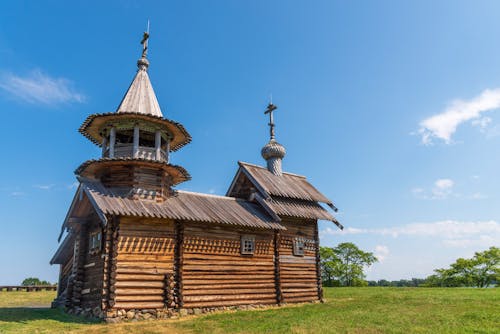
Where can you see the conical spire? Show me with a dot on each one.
(273, 152)
(140, 97)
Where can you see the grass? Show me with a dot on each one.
(347, 310)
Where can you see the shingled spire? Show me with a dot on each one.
(140, 97)
(273, 152)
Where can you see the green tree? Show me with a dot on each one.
(480, 271)
(34, 281)
(345, 263)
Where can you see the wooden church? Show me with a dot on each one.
(135, 247)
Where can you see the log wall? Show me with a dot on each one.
(214, 273)
(144, 261)
(298, 274)
(92, 268)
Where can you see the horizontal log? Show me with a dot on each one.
(132, 291)
(225, 274)
(204, 298)
(228, 257)
(220, 262)
(305, 290)
(140, 270)
(249, 284)
(138, 305)
(235, 267)
(137, 298)
(144, 257)
(207, 292)
(263, 301)
(308, 284)
(140, 277)
(150, 265)
(138, 284)
(297, 259)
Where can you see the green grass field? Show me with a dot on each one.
(347, 310)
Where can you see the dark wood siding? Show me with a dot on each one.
(91, 293)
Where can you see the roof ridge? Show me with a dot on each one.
(261, 167)
(211, 195)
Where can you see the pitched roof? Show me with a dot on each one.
(140, 97)
(287, 185)
(182, 206)
(300, 209)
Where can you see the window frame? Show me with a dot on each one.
(243, 240)
(95, 242)
(297, 250)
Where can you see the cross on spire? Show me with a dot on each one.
(270, 108)
(144, 42)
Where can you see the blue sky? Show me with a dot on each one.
(390, 108)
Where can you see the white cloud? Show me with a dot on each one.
(40, 88)
(444, 125)
(17, 194)
(482, 123)
(381, 252)
(452, 233)
(442, 189)
(44, 186)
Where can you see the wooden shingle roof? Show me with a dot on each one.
(182, 206)
(287, 185)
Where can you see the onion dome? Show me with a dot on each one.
(273, 152)
(273, 149)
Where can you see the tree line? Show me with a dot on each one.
(344, 265)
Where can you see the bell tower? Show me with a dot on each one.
(136, 142)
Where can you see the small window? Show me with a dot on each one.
(247, 244)
(298, 246)
(95, 242)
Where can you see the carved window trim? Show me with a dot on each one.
(299, 245)
(95, 241)
(247, 245)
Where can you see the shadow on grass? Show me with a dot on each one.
(27, 314)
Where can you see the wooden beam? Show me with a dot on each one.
(135, 151)
(112, 140)
(158, 145)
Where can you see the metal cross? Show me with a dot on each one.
(144, 42)
(270, 108)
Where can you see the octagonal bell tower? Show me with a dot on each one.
(136, 142)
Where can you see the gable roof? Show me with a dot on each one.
(287, 185)
(182, 206)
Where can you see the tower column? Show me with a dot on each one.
(158, 144)
(112, 140)
(104, 144)
(135, 151)
(167, 151)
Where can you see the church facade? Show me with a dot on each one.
(134, 246)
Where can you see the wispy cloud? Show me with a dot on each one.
(17, 194)
(442, 189)
(44, 186)
(443, 125)
(40, 88)
(451, 232)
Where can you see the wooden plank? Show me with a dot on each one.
(139, 277)
(205, 298)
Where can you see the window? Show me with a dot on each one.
(94, 242)
(247, 244)
(298, 246)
